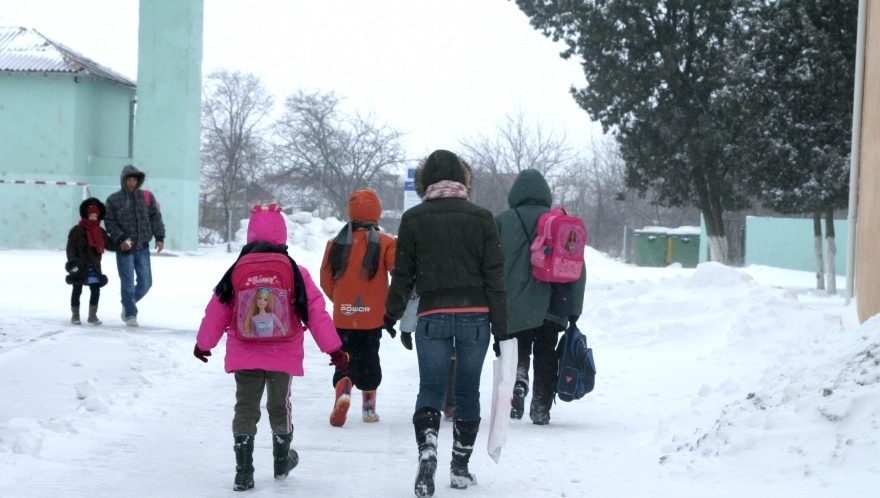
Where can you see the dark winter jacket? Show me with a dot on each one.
(129, 215)
(80, 255)
(449, 248)
(528, 299)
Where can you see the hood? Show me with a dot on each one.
(530, 187)
(267, 224)
(130, 171)
(364, 205)
(441, 165)
(92, 201)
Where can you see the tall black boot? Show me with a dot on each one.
(285, 457)
(465, 434)
(426, 422)
(244, 462)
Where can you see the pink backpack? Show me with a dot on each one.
(558, 249)
(263, 284)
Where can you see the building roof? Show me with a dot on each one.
(24, 50)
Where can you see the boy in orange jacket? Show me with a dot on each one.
(354, 276)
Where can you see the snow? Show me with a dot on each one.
(713, 381)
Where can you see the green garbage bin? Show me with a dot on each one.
(651, 247)
(685, 248)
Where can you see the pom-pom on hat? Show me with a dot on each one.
(267, 224)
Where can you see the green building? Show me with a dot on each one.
(68, 125)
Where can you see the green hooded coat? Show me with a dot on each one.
(528, 299)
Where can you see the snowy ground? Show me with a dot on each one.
(713, 382)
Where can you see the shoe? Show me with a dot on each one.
(518, 402)
(131, 322)
(343, 400)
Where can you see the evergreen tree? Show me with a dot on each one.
(658, 76)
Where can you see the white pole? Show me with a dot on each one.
(855, 151)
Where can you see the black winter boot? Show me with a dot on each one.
(465, 434)
(285, 457)
(244, 462)
(426, 422)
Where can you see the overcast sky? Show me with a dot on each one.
(440, 70)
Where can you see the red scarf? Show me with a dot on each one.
(94, 233)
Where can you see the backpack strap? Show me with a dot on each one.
(523, 224)
(147, 197)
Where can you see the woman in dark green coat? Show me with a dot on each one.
(529, 300)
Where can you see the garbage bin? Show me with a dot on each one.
(685, 247)
(651, 247)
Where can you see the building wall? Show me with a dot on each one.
(867, 270)
(56, 129)
(789, 243)
(168, 118)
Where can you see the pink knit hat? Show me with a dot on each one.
(267, 224)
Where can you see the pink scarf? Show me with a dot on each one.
(446, 188)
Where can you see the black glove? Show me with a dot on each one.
(202, 355)
(389, 326)
(572, 322)
(406, 340)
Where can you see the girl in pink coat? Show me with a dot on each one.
(267, 365)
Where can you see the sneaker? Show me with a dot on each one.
(343, 400)
(131, 321)
(518, 402)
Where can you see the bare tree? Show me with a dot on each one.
(321, 150)
(516, 145)
(234, 153)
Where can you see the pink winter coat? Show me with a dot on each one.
(278, 356)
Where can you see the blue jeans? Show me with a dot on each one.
(437, 337)
(131, 264)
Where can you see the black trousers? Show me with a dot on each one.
(94, 294)
(539, 343)
(362, 347)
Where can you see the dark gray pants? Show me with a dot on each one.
(249, 387)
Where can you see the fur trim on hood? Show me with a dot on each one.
(92, 201)
(130, 171)
(441, 165)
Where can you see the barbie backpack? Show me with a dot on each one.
(263, 289)
(558, 250)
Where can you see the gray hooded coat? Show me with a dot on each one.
(129, 215)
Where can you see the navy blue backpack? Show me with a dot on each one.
(577, 370)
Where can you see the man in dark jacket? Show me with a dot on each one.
(532, 319)
(448, 248)
(133, 219)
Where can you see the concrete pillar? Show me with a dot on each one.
(867, 271)
(168, 119)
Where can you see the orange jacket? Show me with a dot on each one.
(359, 303)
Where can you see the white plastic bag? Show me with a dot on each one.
(504, 368)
